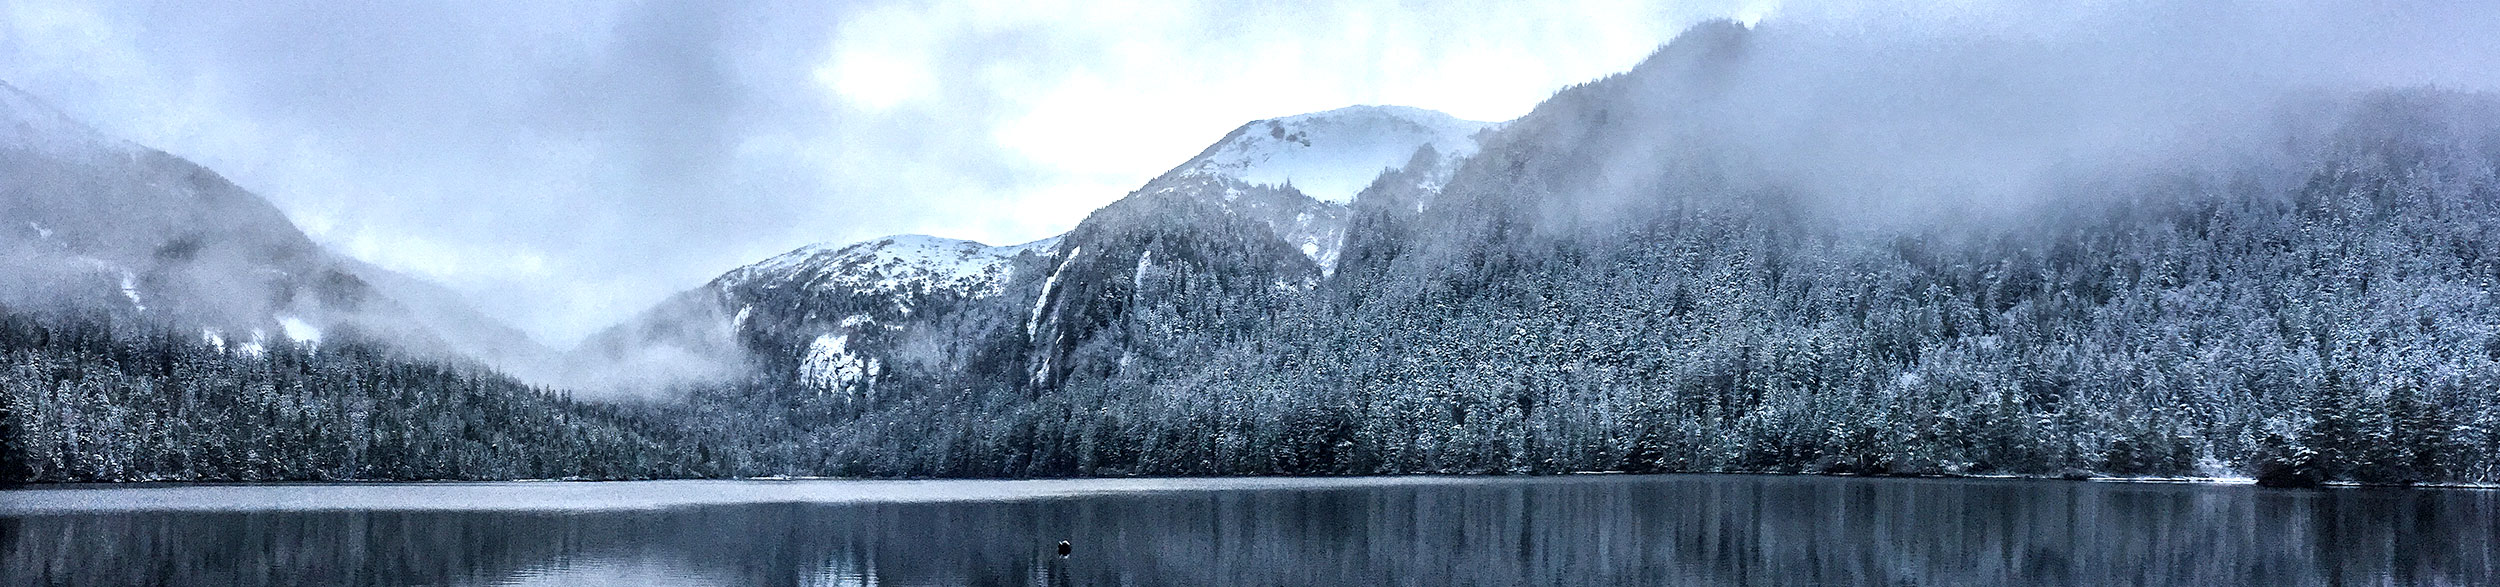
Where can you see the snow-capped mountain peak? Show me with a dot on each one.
(1332, 155)
(908, 263)
(845, 315)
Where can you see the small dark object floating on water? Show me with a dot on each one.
(1063, 548)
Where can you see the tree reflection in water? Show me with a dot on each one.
(1610, 530)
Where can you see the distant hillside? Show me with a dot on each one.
(95, 223)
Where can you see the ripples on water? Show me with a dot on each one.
(1609, 530)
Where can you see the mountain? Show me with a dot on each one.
(1754, 251)
(98, 224)
(926, 309)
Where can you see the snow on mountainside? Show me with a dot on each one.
(908, 263)
(1330, 156)
(1298, 174)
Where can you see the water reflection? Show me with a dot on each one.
(1674, 530)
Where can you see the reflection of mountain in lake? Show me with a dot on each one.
(1554, 531)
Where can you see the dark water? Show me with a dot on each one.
(1607, 530)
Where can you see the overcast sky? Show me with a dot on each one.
(565, 164)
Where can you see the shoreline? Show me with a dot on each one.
(2215, 481)
(578, 495)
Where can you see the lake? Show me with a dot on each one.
(1572, 530)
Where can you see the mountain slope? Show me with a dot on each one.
(97, 224)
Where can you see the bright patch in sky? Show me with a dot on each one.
(876, 80)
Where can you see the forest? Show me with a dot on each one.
(86, 398)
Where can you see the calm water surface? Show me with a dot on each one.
(1590, 530)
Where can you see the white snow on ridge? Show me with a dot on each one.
(895, 264)
(1330, 156)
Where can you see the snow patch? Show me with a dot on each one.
(896, 264)
(830, 366)
(214, 339)
(1041, 372)
(257, 346)
(739, 323)
(1034, 324)
(130, 289)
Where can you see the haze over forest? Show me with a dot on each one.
(2135, 239)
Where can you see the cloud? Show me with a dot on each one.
(1878, 114)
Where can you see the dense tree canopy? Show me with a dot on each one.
(92, 400)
